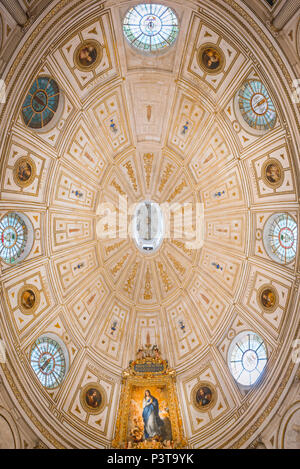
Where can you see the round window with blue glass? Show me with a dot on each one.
(16, 237)
(256, 106)
(281, 237)
(151, 27)
(41, 103)
(49, 361)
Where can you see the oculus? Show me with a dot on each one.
(272, 173)
(49, 360)
(203, 396)
(88, 55)
(24, 172)
(211, 58)
(268, 298)
(16, 237)
(29, 299)
(247, 358)
(150, 27)
(280, 237)
(256, 106)
(92, 398)
(41, 103)
(148, 227)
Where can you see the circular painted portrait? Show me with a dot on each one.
(268, 298)
(203, 396)
(211, 58)
(88, 55)
(29, 299)
(92, 398)
(272, 173)
(24, 172)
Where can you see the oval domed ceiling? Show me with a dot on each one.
(201, 117)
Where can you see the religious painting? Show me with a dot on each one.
(24, 172)
(92, 398)
(29, 299)
(203, 396)
(268, 298)
(211, 58)
(88, 55)
(149, 416)
(273, 173)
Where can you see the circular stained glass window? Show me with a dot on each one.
(148, 227)
(256, 106)
(151, 27)
(280, 237)
(49, 361)
(41, 103)
(247, 358)
(13, 238)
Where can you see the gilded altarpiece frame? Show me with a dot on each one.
(154, 375)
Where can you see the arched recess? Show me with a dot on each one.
(1, 32)
(9, 434)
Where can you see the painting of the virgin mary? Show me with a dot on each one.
(153, 424)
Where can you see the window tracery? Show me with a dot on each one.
(150, 27)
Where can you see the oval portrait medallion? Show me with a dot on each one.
(272, 173)
(88, 55)
(211, 58)
(28, 299)
(93, 398)
(24, 172)
(204, 396)
(268, 298)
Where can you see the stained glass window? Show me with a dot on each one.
(280, 237)
(148, 227)
(48, 361)
(256, 106)
(151, 27)
(41, 103)
(13, 237)
(247, 358)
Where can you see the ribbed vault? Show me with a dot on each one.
(152, 128)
